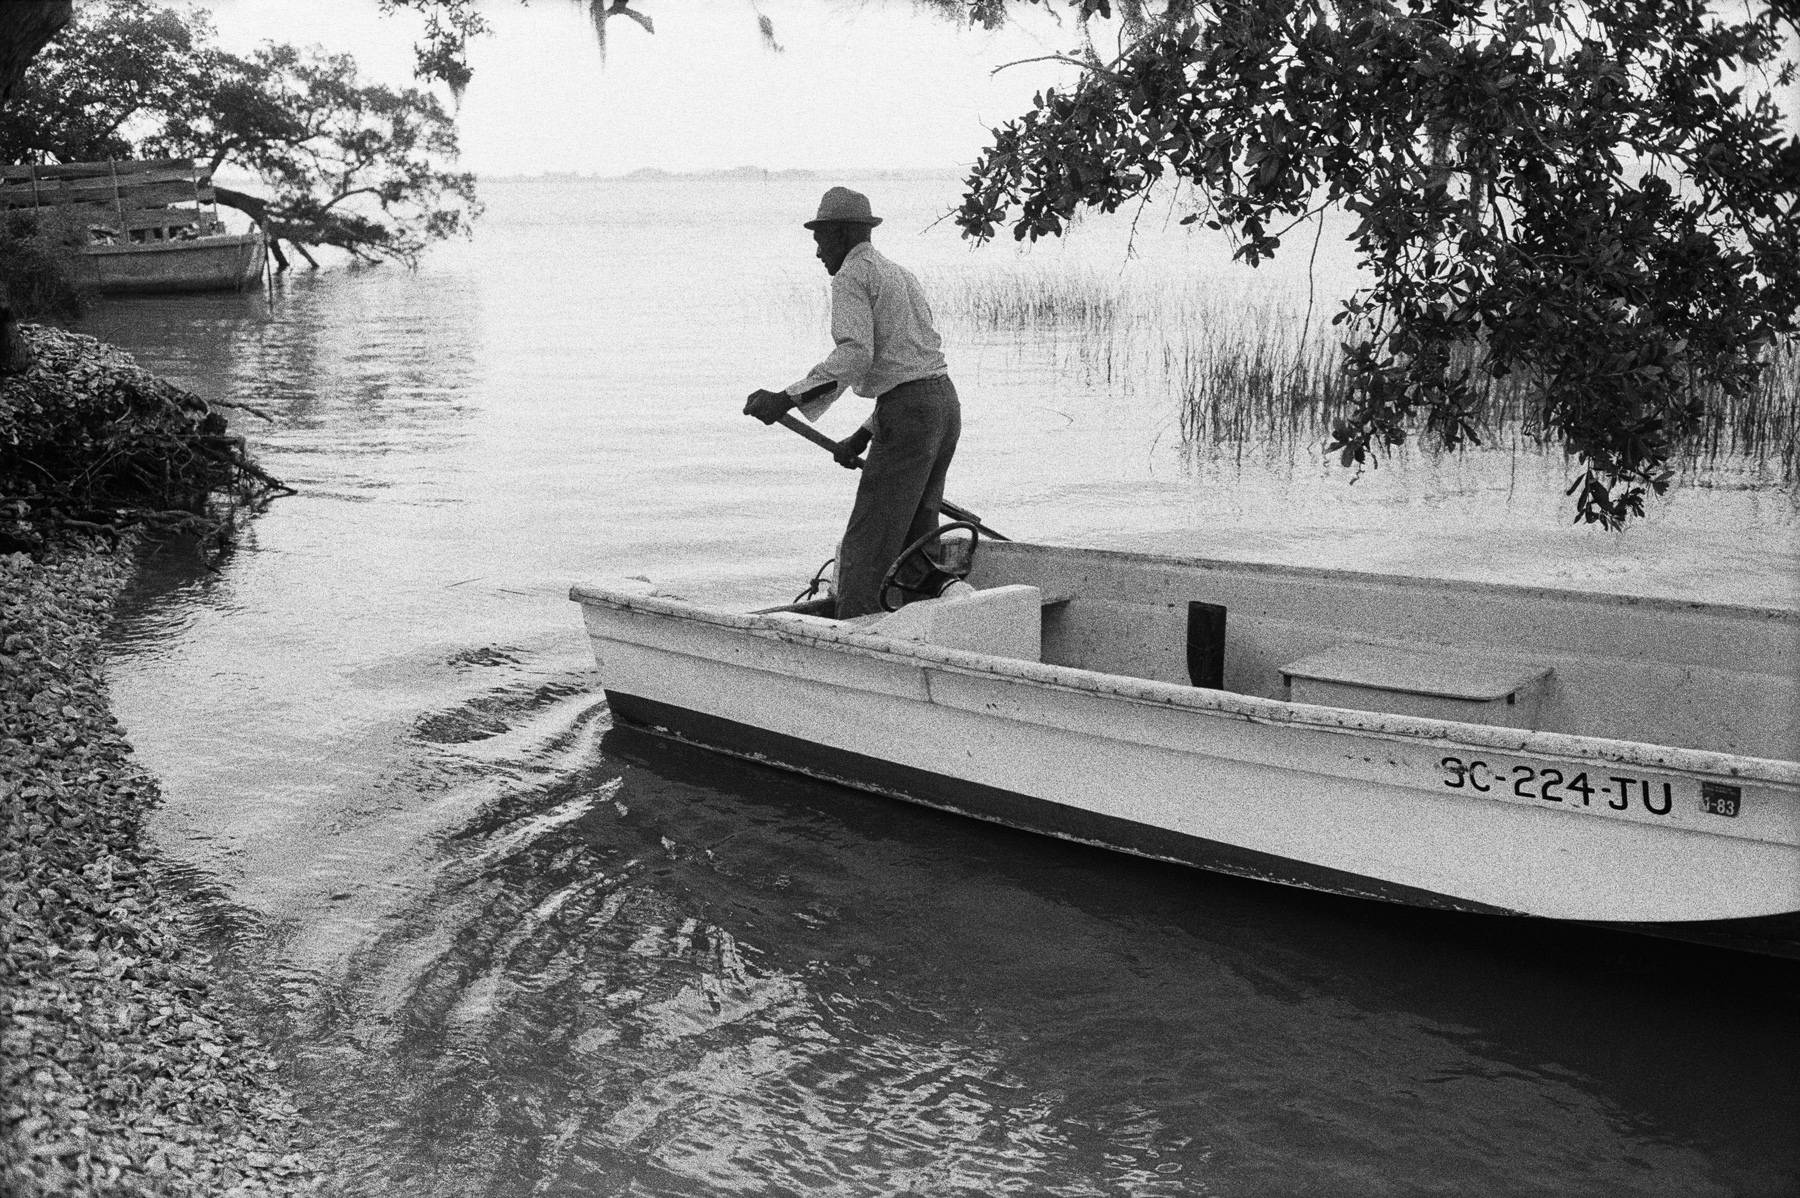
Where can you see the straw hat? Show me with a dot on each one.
(843, 205)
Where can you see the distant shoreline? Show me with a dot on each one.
(652, 174)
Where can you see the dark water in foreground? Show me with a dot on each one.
(511, 950)
(607, 964)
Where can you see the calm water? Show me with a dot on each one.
(511, 950)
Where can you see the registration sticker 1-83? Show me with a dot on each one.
(1719, 798)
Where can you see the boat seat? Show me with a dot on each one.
(1438, 682)
(1004, 621)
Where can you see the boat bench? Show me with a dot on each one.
(1439, 683)
(1005, 621)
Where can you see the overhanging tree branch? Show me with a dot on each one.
(1484, 149)
(363, 167)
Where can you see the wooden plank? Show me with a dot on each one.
(154, 218)
(160, 182)
(158, 185)
(131, 198)
(108, 170)
(152, 194)
(54, 191)
(103, 213)
(74, 170)
(27, 194)
(183, 166)
(130, 182)
(173, 168)
(107, 215)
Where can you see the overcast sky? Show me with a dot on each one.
(859, 83)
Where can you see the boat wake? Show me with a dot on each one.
(603, 973)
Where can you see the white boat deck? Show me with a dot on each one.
(1661, 672)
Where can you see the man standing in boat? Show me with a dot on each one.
(886, 349)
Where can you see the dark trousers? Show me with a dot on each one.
(916, 428)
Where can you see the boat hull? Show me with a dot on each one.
(228, 262)
(1357, 803)
(1011, 808)
(1775, 935)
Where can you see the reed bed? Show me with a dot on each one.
(1251, 373)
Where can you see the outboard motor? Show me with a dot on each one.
(919, 573)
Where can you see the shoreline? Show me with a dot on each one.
(126, 1070)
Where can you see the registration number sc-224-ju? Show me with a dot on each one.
(1549, 784)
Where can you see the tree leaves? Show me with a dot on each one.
(348, 163)
(1587, 198)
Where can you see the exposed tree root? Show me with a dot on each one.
(91, 442)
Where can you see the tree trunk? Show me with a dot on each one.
(15, 354)
(257, 209)
(26, 26)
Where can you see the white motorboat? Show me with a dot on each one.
(1489, 748)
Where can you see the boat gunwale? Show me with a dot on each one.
(1253, 708)
(209, 241)
(1661, 603)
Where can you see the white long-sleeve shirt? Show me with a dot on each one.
(882, 327)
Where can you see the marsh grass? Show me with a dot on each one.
(1761, 428)
(1253, 374)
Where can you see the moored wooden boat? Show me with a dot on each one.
(149, 225)
(1488, 748)
(216, 262)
